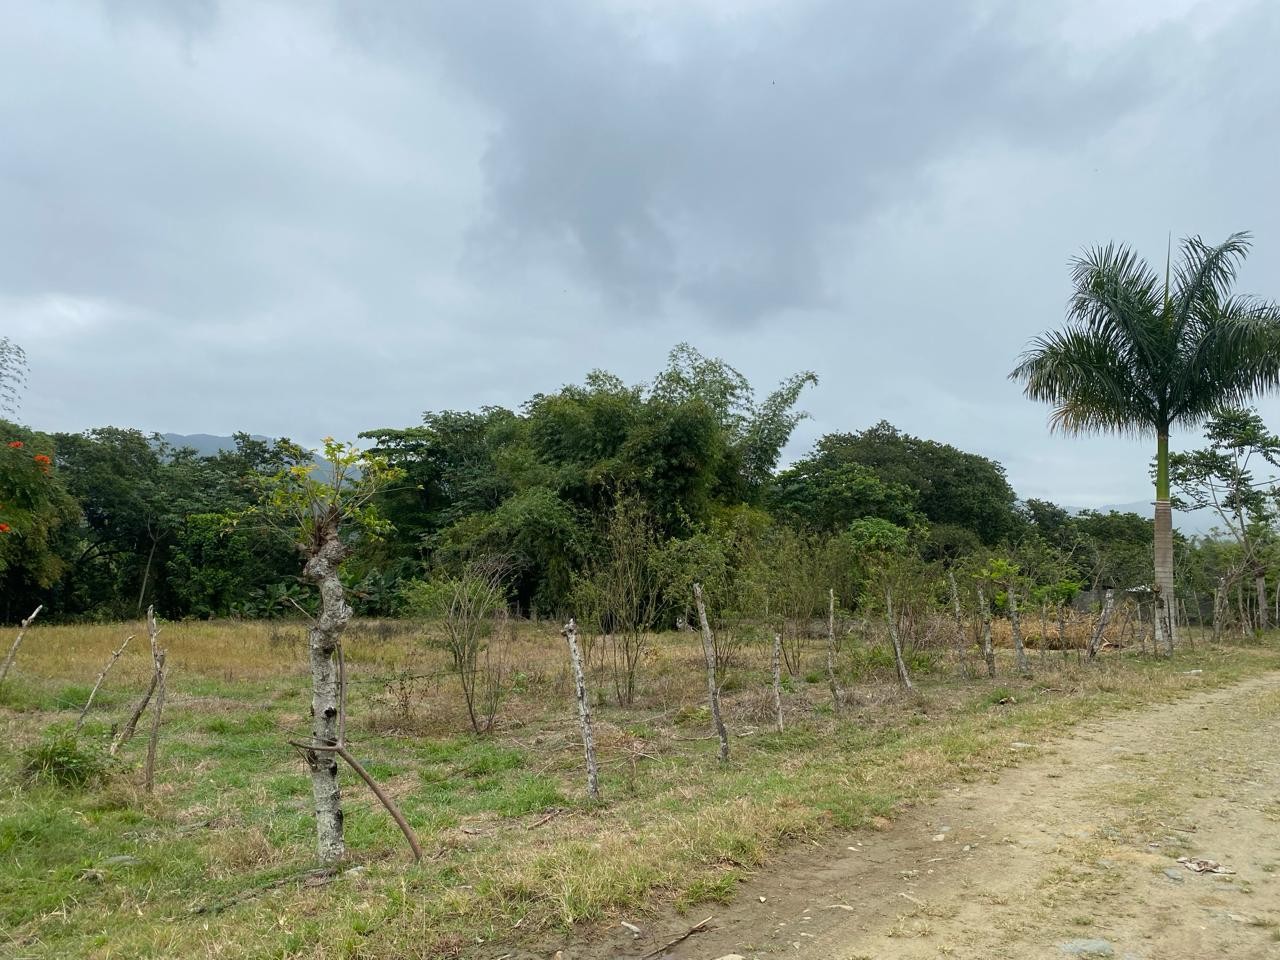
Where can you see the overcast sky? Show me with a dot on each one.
(309, 218)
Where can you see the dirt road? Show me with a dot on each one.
(1072, 853)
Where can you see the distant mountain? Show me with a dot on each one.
(205, 444)
(208, 445)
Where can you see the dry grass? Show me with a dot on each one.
(232, 808)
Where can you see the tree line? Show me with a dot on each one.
(103, 523)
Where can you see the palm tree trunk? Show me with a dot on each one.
(1163, 549)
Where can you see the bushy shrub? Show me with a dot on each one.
(61, 761)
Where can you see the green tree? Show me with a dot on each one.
(13, 375)
(1144, 353)
(323, 510)
(537, 486)
(835, 484)
(1222, 477)
(37, 519)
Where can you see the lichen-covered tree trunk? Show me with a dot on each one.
(323, 638)
(584, 708)
(1015, 628)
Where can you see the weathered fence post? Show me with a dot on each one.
(157, 659)
(1095, 640)
(98, 683)
(570, 632)
(17, 642)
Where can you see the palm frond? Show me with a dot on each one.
(1204, 278)
(1115, 290)
(1089, 382)
(1234, 356)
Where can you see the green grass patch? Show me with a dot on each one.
(232, 808)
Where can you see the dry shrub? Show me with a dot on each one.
(239, 850)
(1078, 631)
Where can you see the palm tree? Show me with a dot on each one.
(1141, 354)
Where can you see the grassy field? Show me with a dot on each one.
(212, 864)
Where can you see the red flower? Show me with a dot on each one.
(5, 528)
(43, 460)
(16, 444)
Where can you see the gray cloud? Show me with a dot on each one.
(711, 159)
(308, 219)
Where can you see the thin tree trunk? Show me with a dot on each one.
(98, 683)
(1062, 629)
(1260, 585)
(323, 639)
(903, 677)
(157, 659)
(831, 651)
(1245, 624)
(1044, 631)
(1015, 627)
(146, 572)
(962, 657)
(17, 642)
(988, 649)
(955, 599)
(584, 708)
(713, 687)
(776, 666)
(1095, 641)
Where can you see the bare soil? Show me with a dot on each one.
(1071, 853)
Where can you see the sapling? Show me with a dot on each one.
(891, 616)
(713, 685)
(831, 651)
(988, 650)
(776, 667)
